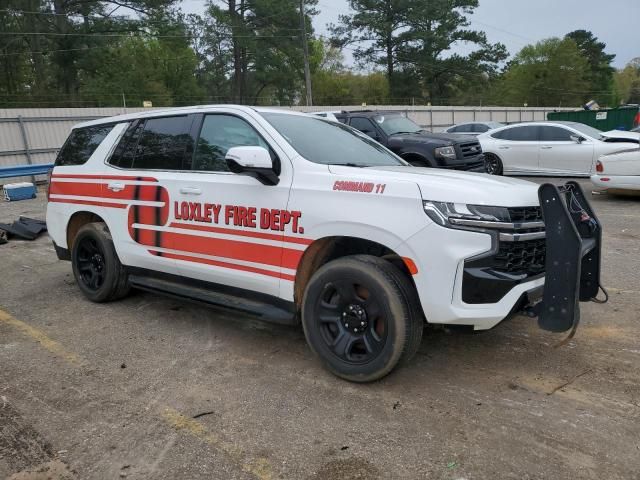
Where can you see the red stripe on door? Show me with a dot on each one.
(96, 203)
(218, 263)
(243, 233)
(249, 252)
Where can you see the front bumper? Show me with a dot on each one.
(456, 285)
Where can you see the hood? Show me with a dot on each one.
(453, 186)
(435, 138)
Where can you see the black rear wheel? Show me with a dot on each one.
(96, 266)
(360, 316)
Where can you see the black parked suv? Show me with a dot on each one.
(414, 144)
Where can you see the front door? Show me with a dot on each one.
(229, 228)
(560, 154)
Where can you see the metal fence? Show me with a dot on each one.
(34, 136)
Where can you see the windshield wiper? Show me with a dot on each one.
(415, 131)
(349, 164)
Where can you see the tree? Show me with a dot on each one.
(600, 70)
(265, 47)
(552, 72)
(413, 40)
(627, 82)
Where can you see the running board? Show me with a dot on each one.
(265, 311)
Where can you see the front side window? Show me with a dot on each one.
(330, 143)
(81, 144)
(218, 134)
(555, 134)
(363, 124)
(163, 143)
(518, 134)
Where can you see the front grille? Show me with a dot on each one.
(525, 214)
(525, 257)
(470, 149)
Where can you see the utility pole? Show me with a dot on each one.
(305, 47)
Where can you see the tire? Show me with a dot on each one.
(96, 266)
(419, 163)
(375, 299)
(493, 164)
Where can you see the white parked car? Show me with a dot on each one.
(548, 148)
(618, 171)
(473, 128)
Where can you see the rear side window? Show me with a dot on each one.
(162, 144)
(81, 144)
(480, 128)
(518, 134)
(466, 128)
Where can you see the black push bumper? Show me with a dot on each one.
(572, 264)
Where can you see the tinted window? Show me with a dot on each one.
(162, 143)
(125, 151)
(218, 134)
(518, 134)
(480, 128)
(81, 144)
(363, 124)
(322, 141)
(555, 134)
(466, 128)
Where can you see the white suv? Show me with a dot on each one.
(299, 219)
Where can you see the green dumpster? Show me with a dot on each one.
(621, 118)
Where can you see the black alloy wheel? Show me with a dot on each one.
(91, 263)
(361, 316)
(492, 164)
(351, 321)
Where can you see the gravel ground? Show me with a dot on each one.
(150, 387)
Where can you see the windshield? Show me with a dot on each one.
(587, 130)
(392, 124)
(330, 143)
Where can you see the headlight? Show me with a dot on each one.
(445, 152)
(455, 215)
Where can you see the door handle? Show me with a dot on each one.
(503, 147)
(115, 186)
(546, 147)
(190, 191)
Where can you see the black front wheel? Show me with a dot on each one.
(492, 164)
(96, 266)
(360, 316)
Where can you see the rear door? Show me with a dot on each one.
(559, 154)
(228, 228)
(518, 148)
(142, 177)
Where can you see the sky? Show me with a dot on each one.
(517, 23)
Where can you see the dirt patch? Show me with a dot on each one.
(347, 469)
(20, 445)
(53, 470)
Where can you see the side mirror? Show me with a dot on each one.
(253, 161)
(577, 138)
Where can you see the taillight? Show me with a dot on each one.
(49, 183)
(599, 167)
